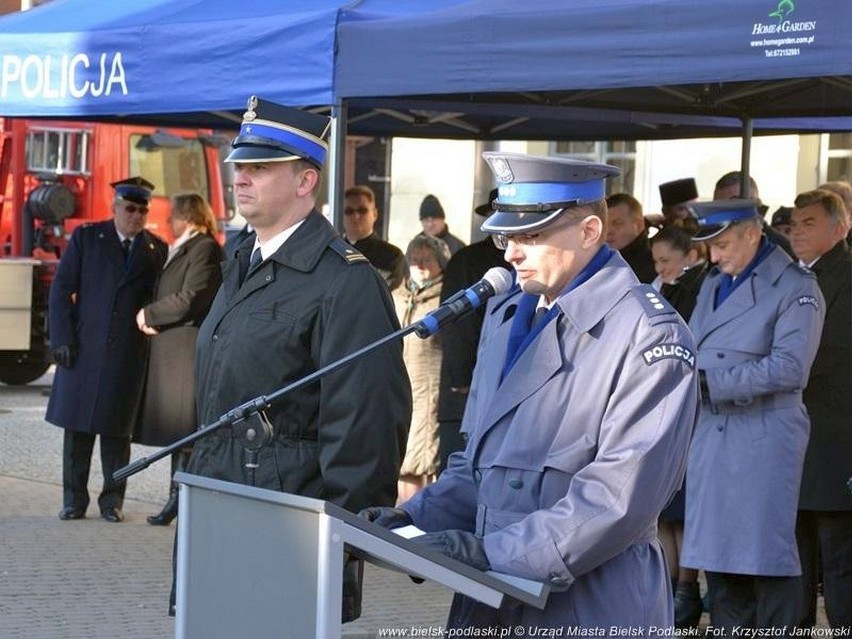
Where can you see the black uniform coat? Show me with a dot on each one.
(828, 395)
(638, 255)
(184, 292)
(460, 339)
(313, 302)
(93, 303)
(342, 438)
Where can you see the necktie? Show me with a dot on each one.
(540, 312)
(125, 248)
(254, 262)
(256, 259)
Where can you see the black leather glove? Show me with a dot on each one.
(386, 517)
(461, 545)
(64, 356)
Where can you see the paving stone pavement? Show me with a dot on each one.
(90, 579)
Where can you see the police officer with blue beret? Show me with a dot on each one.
(581, 407)
(295, 298)
(757, 325)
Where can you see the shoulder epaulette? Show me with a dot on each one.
(652, 301)
(345, 250)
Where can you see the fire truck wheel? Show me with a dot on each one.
(17, 370)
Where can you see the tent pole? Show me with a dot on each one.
(745, 160)
(337, 153)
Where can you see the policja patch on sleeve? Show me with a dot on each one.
(669, 351)
(809, 299)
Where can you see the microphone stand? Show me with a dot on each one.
(257, 430)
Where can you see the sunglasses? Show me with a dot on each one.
(133, 208)
(361, 210)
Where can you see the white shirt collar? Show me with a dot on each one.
(270, 246)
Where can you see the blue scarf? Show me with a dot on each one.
(520, 335)
(728, 284)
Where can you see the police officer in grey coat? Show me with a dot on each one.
(581, 408)
(105, 276)
(757, 325)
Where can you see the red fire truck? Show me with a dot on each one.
(55, 176)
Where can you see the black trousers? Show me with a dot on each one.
(76, 461)
(826, 536)
(752, 601)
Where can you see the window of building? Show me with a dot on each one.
(175, 165)
(836, 157)
(58, 151)
(620, 153)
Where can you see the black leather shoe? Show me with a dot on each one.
(687, 605)
(70, 512)
(113, 515)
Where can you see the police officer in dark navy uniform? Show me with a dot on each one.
(105, 276)
(296, 299)
(580, 411)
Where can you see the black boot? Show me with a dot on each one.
(170, 510)
(687, 605)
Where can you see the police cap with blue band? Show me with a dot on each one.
(135, 189)
(274, 133)
(718, 216)
(533, 190)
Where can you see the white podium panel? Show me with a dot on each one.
(255, 562)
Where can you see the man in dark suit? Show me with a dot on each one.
(824, 525)
(626, 233)
(105, 276)
(360, 215)
(460, 339)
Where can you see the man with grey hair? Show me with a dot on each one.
(582, 403)
(824, 526)
(757, 323)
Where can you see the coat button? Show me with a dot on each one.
(720, 428)
(720, 355)
(556, 580)
(215, 338)
(516, 484)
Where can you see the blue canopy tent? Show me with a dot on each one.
(481, 69)
(101, 58)
(496, 68)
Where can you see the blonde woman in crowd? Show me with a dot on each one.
(184, 291)
(420, 294)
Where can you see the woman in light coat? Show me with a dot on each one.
(427, 258)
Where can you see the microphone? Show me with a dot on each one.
(496, 281)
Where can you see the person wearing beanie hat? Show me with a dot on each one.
(433, 219)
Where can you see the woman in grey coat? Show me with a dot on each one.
(184, 292)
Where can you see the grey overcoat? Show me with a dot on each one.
(745, 462)
(571, 458)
